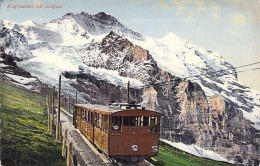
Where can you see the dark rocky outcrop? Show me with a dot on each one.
(99, 91)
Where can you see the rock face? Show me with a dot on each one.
(215, 125)
(117, 53)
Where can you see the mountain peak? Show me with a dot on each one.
(68, 14)
(170, 36)
(28, 23)
(103, 15)
(112, 33)
(98, 24)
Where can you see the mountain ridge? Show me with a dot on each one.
(99, 23)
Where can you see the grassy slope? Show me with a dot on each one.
(24, 137)
(171, 156)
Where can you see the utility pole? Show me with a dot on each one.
(69, 101)
(90, 97)
(48, 108)
(76, 98)
(58, 126)
(51, 110)
(128, 88)
(53, 105)
(65, 101)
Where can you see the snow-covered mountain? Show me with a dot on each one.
(94, 24)
(15, 43)
(96, 53)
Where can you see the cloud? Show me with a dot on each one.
(238, 19)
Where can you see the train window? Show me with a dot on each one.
(116, 123)
(92, 118)
(131, 121)
(78, 112)
(83, 114)
(96, 119)
(145, 121)
(153, 125)
(86, 115)
(105, 124)
(139, 121)
(89, 117)
(99, 121)
(152, 120)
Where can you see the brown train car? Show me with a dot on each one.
(122, 131)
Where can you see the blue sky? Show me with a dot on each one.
(231, 28)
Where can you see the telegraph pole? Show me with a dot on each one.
(53, 105)
(58, 126)
(76, 98)
(69, 101)
(128, 88)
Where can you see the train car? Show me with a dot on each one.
(122, 131)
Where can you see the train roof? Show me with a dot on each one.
(114, 107)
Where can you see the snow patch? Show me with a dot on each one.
(31, 42)
(113, 77)
(28, 23)
(3, 65)
(253, 117)
(48, 64)
(21, 79)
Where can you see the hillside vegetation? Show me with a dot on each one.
(24, 136)
(172, 156)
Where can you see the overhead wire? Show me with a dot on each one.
(230, 73)
(215, 72)
(224, 70)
